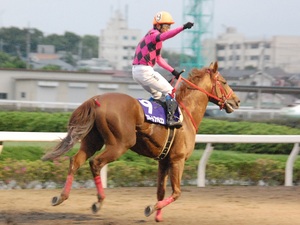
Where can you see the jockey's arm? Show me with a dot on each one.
(170, 33)
(162, 63)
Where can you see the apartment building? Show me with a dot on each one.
(234, 51)
(117, 42)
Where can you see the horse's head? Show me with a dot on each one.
(210, 82)
(221, 94)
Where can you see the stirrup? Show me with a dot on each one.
(176, 124)
(172, 123)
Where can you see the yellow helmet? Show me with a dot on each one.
(163, 17)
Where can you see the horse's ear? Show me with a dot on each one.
(214, 66)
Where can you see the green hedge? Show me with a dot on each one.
(134, 170)
(33, 121)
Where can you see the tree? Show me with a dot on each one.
(7, 61)
(57, 40)
(68, 58)
(90, 45)
(52, 67)
(72, 42)
(14, 40)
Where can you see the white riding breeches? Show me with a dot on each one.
(151, 81)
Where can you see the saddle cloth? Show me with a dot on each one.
(156, 111)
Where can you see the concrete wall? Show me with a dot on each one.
(64, 86)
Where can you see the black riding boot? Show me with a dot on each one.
(171, 108)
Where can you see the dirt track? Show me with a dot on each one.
(124, 206)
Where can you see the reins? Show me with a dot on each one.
(221, 100)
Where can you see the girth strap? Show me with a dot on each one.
(168, 143)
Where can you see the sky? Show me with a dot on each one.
(253, 18)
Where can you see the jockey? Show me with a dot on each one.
(147, 53)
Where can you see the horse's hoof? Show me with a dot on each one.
(149, 210)
(56, 201)
(158, 219)
(96, 207)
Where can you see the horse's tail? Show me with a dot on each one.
(80, 124)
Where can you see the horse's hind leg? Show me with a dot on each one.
(110, 154)
(88, 147)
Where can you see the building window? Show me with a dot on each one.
(234, 46)
(267, 45)
(133, 38)
(254, 57)
(3, 95)
(47, 83)
(220, 58)
(220, 47)
(78, 85)
(256, 45)
(234, 57)
(125, 37)
(108, 86)
(23, 95)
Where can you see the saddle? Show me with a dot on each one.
(156, 111)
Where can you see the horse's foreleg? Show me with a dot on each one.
(175, 172)
(163, 169)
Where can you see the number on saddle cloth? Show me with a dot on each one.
(156, 111)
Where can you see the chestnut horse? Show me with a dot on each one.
(117, 121)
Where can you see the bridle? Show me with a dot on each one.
(218, 94)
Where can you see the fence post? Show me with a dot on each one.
(103, 174)
(202, 165)
(290, 164)
(1, 146)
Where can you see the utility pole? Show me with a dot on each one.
(28, 42)
(1, 45)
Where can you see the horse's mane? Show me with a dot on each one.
(194, 76)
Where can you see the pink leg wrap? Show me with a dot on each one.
(99, 186)
(158, 217)
(68, 184)
(164, 202)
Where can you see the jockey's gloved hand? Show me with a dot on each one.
(176, 74)
(188, 25)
